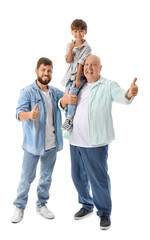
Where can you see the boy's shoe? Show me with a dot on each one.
(67, 125)
(105, 222)
(45, 212)
(18, 215)
(82, 213)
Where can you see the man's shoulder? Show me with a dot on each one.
(29, 87)
(29, 91)
(55, 90)
(105, 80)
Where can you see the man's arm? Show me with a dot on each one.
(24, 116)
(133, 90)
(122, 96)
(68, 99)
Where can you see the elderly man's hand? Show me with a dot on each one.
(68, 99)
(133, 90)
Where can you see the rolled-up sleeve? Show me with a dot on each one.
(119, 95)
(23, 103)
(59, 105)
(86, 52)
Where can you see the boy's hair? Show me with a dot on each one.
(44, 61)
(78, 24)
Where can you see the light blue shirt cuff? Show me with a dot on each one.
(17, 116)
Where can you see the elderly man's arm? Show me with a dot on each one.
(133, 90)
(123, 96)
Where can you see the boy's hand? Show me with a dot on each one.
(77, 83)
(72, 45)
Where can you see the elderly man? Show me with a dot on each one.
(92, 132)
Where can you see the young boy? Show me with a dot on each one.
(77, 51)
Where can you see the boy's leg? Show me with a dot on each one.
(27, 176)
(68, 85)
(74, 91)
(80, 178)
(71, 108)
(95, 161)
(47, 165)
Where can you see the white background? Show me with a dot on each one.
(118, 32)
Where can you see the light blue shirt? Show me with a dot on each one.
(34, 130)
(100, 123)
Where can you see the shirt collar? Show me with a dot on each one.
(100, 80)
(35, 86)
(84, 44)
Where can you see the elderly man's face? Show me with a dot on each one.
(92, 68)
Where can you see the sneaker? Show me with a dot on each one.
(105, 222)
(18, 215)
(67, 125)
(82, 213)
(45, 212)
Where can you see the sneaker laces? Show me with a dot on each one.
(104, 218)
(46, 209)
(18, 211)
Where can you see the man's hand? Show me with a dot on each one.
(34, 114)
(68, 99)
(77, 83)
(133, 90)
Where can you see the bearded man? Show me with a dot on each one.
(42, 137)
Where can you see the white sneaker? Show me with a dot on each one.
(45, 212)
(18, 215)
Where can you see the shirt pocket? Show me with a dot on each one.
(34, 101)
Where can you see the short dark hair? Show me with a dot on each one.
(78, 24)
(45, 61)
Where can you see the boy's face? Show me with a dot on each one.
(78, 34)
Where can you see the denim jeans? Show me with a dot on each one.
(71, 108)
(89, 169)
(28, 174)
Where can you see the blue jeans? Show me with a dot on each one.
(89, 168)
(29, 166)
(71, 108)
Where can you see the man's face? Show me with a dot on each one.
(92, 68)
(44, 74)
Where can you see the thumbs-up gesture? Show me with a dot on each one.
(72, 45)
(34, 114)
(68, 99)
(133, 90)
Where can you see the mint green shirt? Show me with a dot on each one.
(100, 123)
